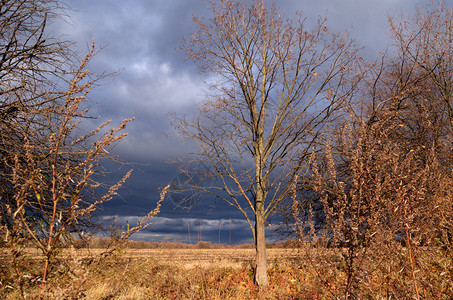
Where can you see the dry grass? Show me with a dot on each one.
(183, 257)
(205, 274)
(174, 274)
(188, 258)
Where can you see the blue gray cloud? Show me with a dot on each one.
(140, 38)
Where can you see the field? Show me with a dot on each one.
(176, 274)
(224, 273)
(209, 258)
(202, 274)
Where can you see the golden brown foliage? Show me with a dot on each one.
(381, 194)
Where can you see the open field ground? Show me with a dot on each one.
(209, 274)
(188, 258)
(174, 274)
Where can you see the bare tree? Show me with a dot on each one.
(49, 195)
(49, 168)
(32, 64)
(277, 84)
(382, 194)
(424, 44)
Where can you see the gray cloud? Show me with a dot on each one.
(191, 230)
(139, 38)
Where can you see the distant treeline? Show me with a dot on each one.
(105, 242)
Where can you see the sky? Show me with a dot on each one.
(140, 39)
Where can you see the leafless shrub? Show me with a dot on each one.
(380, 197)
(49, 170)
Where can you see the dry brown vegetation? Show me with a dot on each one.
(49, 166)
(168, 273)
(380, 193)
(179, 274)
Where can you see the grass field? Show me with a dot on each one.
(188, 258)
(204, 274)
(175, 274)
(211, 274)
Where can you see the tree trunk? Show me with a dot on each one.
(260, 244)
(261, 186)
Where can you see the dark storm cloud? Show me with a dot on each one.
(142, 193)
(135, 29)
(139, 38)
(193, 230)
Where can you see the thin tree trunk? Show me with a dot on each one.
(260, 244)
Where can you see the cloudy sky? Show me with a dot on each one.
(140, 38)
